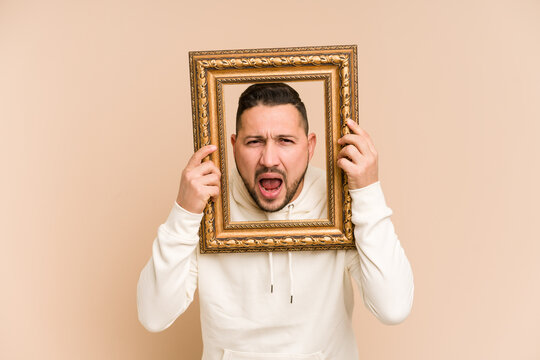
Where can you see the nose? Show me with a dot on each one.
(269, 155)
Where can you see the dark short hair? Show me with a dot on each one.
(270, 94)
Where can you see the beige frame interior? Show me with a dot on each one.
(336, 67)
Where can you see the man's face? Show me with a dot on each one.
(272, 152)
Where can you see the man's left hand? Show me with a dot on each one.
(358, 157)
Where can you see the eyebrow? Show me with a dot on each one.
(260, 137)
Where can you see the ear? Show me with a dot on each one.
(312, 141)
(233, 141)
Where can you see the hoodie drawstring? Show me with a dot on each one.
(271, 261)
(291, 279)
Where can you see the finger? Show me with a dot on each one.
(356, 129)
(200, 154)
(346, 165)
(351, 153)
(213, 191)
(211, 180)
(358, 141)
(207, 167)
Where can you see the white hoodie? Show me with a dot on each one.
(278, 305)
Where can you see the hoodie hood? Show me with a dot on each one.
(310, 204)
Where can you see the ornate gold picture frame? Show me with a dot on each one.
(214, 75)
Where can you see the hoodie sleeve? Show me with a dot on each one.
(379, 266)
(168, 281)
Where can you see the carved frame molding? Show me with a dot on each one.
(336, 66)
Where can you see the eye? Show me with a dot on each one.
(253, 142)
(286, 141)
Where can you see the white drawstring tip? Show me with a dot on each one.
(271, 262)
(291, 279)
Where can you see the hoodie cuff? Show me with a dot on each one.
(367, 201)
(183, 223)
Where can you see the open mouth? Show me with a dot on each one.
(270, 186)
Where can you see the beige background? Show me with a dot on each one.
(96, 127)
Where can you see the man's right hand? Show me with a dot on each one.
(200, 181)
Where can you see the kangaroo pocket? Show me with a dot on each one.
(240, 355)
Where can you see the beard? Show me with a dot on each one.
(291, 190)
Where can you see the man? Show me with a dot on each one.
(276, 305)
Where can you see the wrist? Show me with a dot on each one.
(189, 206)
(354, 185)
